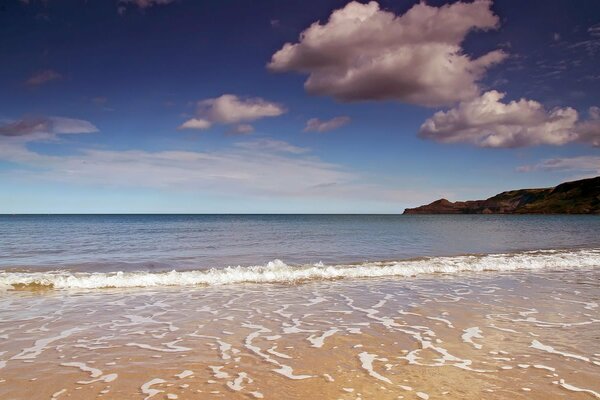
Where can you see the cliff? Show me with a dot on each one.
(577, 197)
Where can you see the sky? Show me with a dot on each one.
(296, 106)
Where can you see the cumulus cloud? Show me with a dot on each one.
(230, 109)
(317, 125)
(39, 128)
(365, 53)
(42, 77)
(486, 121)
(589, 165)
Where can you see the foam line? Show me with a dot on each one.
(279, 272)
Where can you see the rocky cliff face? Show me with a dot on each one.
(577, 197)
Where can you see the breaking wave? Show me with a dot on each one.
(279, 272)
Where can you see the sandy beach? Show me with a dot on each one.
(478, 335)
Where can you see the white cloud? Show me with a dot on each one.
(317, 125)
(365, 53)
(589, 131)
(259, 168)
(195, 123)
(270, 145)
(41, 128)
(488, 122)
(589, 165)
(231, 109)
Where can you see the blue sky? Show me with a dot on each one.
(295, 106)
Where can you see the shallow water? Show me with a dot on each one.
(446, 307)
(529, 335)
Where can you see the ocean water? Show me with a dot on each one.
(205, 248)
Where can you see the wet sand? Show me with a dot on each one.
(518, 335)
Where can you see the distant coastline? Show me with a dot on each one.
(576, 197)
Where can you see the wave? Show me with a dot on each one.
(279, 272)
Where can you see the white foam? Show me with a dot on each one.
(283, 369)
(470, 334)
(217, 373)
(277, 354)
(537, 345)
(366, 361)
(541, 366)
(288, 372)
(236, 384)
(318, 341)
(56, 395)
(184, 374)
(278, 272)
(42, 344)
(146, 388)
(171, 347)
(94, 373)
(224, 348)
(502, 329)
(572, 388)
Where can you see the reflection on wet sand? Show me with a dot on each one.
(481, 335)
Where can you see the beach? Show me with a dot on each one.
(511, 335)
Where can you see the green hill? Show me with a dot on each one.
(577, 197)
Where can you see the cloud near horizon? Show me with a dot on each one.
(586, 165)
(271, 145)
(317, 125)
(365, 53)
(486, 121)
(263, 167)
(230, 109)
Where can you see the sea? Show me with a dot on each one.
(299, 306)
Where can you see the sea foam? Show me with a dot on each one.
(279, 272)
